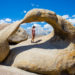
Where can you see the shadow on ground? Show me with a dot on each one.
(51, 44)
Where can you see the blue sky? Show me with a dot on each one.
(13, 10)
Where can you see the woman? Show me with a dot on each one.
(33, 34)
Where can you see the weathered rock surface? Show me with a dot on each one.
(2, 26)
(5, 70)
(50, 57)
(62, 27)
(17, 37)
(4, 35)
(47, 62)
(53, 54)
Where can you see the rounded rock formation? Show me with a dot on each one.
(19, 36)
(46, 62)
(3, 25)
(53, 54)
(4, 35)
(5, 70)
(62, 27)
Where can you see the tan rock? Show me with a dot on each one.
(50, 57)
(4, 35)
(53, 54)
(46, 62)
(4, 25)
(19, 36)
(5, 70)
(62, 27)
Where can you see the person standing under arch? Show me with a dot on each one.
(33, 34)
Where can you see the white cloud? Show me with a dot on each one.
(2, 21)
(48, 27)
(72, 20)
(36, 25)
(33, 22)
(8, 20)
(25, 11)
(65, 16)
(39, 29)
(43, 22)
(29, 28)
(34, 5)
(73, 15)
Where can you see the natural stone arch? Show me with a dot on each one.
(62, 27)
(56, 60)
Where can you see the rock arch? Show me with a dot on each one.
(62, 27)
(31, 57)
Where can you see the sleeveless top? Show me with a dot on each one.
(33, 31)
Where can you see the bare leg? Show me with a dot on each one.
(32, 38)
